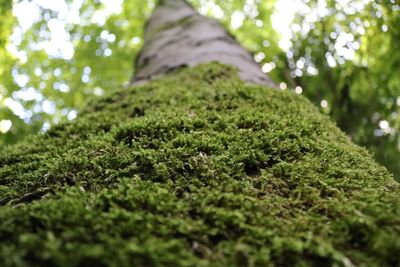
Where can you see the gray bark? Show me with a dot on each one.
(177, 36)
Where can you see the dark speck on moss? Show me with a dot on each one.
(196, 169)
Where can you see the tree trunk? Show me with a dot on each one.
(177, 36)
(196, 168)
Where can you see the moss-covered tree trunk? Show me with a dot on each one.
(197, 168)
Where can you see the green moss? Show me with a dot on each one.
(197, 169)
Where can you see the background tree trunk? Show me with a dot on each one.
(177, 36)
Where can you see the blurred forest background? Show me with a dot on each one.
(343, 55)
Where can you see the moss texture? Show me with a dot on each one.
(197, 169)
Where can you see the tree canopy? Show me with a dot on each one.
(343, 55)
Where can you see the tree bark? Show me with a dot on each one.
(177, 36)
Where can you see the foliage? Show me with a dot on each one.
(6, 63)
(47, 84)
(223, 174)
